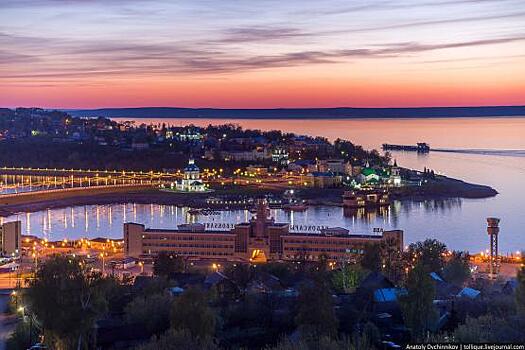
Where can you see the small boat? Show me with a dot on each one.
(194, 211)
(295, 207)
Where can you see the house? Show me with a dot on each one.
(257, 170)
(337, 166)
(372, 282)
(302, 166)
(280, 156)
(139, 143)
(125, 263)
(223, 285)
(323, 179)
(448, 291)
(101, 243)
(377, 294)
(265, 283)
(256, 154)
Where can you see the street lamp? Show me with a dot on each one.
(103, 264)
(13, 294)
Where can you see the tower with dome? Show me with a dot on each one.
(191, 181)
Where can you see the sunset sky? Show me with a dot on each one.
(261, 54)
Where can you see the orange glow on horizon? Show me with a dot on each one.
(265, 94)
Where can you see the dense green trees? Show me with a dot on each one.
(240, 274)
(151, 311)
(384, 257)
(177, 340)
(417, 306)
(392, 260)
(191, 312)
(316, 316)
(166, 264)
(490, 329)
(457, 269)
(22, 337)
(347, 279)
(371, 258)
(67, 299)
(429, 253)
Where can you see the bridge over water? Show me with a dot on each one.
(19, 186)
(21, 180)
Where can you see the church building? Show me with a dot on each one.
(191, 182)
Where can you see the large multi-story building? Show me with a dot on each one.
(259, 240)
(10, 238)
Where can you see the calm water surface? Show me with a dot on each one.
(459, 223)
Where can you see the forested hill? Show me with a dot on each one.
(303, 113)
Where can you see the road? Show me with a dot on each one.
(7, 322)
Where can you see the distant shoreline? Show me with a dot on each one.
(302, 113)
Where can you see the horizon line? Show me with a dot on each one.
(264, 108)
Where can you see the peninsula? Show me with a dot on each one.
(106, 161)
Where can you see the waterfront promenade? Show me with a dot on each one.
(65, 193)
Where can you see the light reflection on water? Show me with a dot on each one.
(459, 223)
(106, 220)
(28, 183)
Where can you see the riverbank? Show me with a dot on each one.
(240, 197)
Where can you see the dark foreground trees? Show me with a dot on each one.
(150, 311)
(191, 313)
(429, 253)
(490, 329)
(316, 316)
(177, 340)
(66, 300)
(457, 269)
(166, 264)
(314, 305)
(520, 292)
(417, 305)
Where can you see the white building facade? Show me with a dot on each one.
(191, 182)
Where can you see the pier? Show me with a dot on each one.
(420, 147)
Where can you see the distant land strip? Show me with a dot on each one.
(302, 113)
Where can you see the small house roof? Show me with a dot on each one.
(469, 293)
(383, 295)
(368, 171)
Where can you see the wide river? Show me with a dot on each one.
(490, 151)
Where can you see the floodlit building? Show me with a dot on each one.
(337, 166)
(395, 175)
(258, 240)
(191, 182)
(280, 156)
(10, 238)
(322, 179)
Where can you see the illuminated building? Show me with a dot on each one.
(368, 198)
(259, 240)
(191, 182)
(280, 156)
(395, 175)
(10, 238)
(322, 179)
